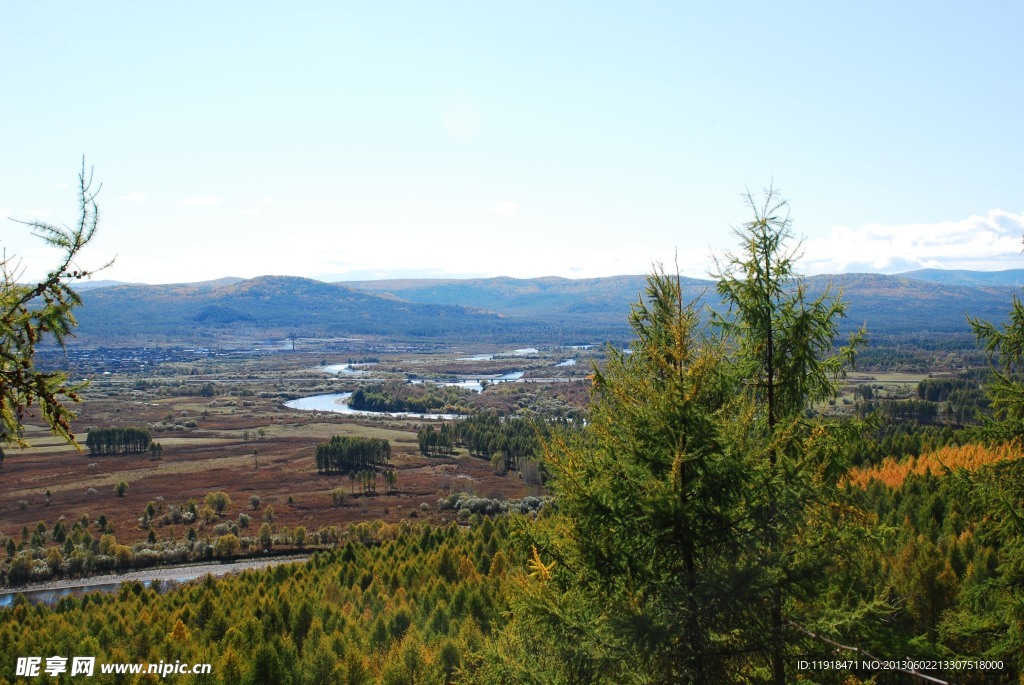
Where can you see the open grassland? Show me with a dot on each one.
(223, 427)
(262, 449)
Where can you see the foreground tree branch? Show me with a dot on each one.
(29, 312)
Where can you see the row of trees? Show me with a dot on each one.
(488, 434)
(918, 411)
(966, 406)
(436, 443)
(344, 454)
(880, 440)
(940, 389)
(117, 440)
(367, 481)
(420, 398)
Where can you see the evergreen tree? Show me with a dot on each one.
(642, 579)
(1005, 348)
(344, 453)
(994, 614)
(696, 509)
(32, 312)
(785, 360)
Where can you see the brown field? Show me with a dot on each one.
(218, 455)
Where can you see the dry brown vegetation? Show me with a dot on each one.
(218, 454)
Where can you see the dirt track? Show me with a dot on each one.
(161, 573)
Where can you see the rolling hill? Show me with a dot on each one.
(1009, 278)
(497, 310)
(604, 300)
(278, 306)
(888, 304)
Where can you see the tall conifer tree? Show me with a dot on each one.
(694, 511)
(785, 361)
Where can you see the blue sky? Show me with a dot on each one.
(370, 140)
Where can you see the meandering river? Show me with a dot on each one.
(337, 403)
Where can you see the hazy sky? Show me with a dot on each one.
(368, 140)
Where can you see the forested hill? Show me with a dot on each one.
(543, 310)
(888, 304)
(894, 305)
(270, 306)
(1009, 278)
(605, 300)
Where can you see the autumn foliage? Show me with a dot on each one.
(967, 457)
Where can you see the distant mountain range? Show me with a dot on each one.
(540, 310)
(1010, 278)
(84, 285)
(268, 306)
(606, 300)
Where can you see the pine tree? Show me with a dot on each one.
(695, 508)
(785, 360)
(1005, 348)
(32, 312)
(994, 493)
(642, 577)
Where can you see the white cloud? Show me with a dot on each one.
(201, 201)
(506, 208)
(985, 242)
(133, 197)
(356, 249)
(317, 249)
(37, 213)
(252, 211)
(5, 212)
